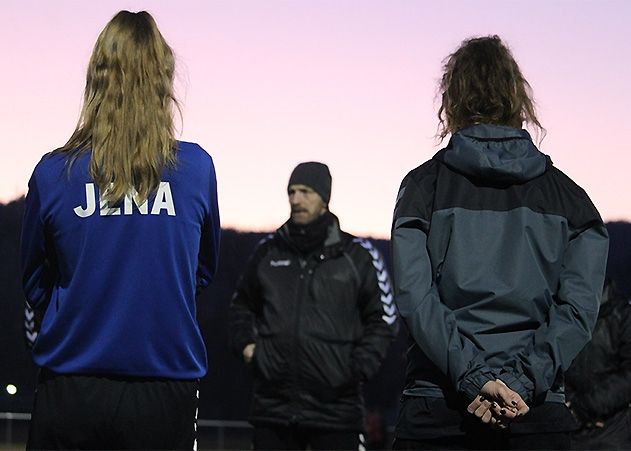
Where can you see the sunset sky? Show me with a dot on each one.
(268, 84)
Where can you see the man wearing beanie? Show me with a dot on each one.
(313, 315)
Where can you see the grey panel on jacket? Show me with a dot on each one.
(510, 294)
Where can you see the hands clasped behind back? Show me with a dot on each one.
(497, 404)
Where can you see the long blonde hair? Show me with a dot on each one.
(127, 114)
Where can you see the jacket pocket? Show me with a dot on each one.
(325, 368)
(271, 359)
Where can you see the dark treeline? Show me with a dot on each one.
(225, 391)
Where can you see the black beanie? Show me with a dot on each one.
(314, 175)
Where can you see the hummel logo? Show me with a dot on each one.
(276, 263)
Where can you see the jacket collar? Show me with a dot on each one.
(332, 245)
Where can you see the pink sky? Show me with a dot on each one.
(268, 84)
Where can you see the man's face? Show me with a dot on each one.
(306, 205)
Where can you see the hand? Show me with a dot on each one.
(485, 409)
(248, 352)
(507, 399)
(497, 404)
(597, 424)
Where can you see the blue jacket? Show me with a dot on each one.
(499, 261)
(120, 282)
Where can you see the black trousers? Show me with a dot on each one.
(109, 412)
(544, 441)
(295, 437)
(434, 423)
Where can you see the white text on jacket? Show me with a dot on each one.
(162, 201)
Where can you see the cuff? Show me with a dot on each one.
(472, 385)
(520, 384)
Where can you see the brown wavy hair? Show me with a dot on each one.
(127, 114)
(482, 83)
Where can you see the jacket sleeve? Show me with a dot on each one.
(430, 322)
(611, 393)
(211, 232)
(246, 303)
(570, 320)
(38, 271)
(378, 313)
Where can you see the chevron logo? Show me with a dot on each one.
(374, 254)
(383, 280)
(389, 319)
(363, 243)
(29, 325)
(29, 313)
(390, 309)
(31, 336)
(265, 239)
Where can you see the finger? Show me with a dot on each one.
(487, 416)
(482, 409)
(507, 396)
(512, 398)
(521, 406)
(495, 421)
(474, 404)
(514, 405)
(508, 413)
(496, 424)
(504, 412)
(497, 409)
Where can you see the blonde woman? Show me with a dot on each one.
(120, 230)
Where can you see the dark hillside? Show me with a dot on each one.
(226, 389)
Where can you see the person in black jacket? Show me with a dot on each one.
(499, 260)
(599, 381)
(313, 315)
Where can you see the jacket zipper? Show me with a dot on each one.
(302, 284)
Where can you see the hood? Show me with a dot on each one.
(494, 153)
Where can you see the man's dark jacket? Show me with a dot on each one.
(322, 324)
